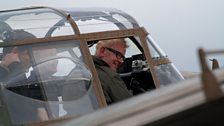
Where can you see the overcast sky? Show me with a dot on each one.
(180, 27)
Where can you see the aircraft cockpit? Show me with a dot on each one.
(47, 71)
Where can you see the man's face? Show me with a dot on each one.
(25, 59)
(114, 55)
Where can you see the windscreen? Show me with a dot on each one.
(41, 22)
(104, 19)
(50, 81)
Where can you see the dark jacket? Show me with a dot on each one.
(113, 86)
(15, 80)
(8, 73)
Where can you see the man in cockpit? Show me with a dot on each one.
(15, 59)
(15, 63)
(108, 57)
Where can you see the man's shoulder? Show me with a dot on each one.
(106, 70)
(98, 61)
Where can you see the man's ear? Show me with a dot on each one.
(101, 51)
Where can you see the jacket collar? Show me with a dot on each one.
(99, 61)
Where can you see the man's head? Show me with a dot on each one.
(20, 51)
(112, 52)
(17, 35)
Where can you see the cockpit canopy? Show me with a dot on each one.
(54, 75)
(34, 21)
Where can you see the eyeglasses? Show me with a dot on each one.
(117, 53)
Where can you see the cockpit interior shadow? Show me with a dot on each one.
(136, 76)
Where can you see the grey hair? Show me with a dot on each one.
(110, 42)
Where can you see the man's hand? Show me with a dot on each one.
(10, 58)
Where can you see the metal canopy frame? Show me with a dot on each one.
(85, 37)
